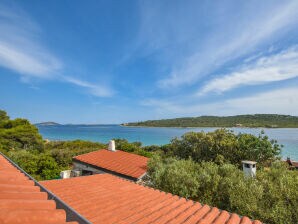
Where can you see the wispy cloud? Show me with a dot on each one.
(22, 51)
(94, 89)
(280, 101)
(36, 64)
(227, 38)
(277, 67)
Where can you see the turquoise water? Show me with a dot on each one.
(158, 136)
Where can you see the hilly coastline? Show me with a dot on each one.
(254, 120)
(48, 123)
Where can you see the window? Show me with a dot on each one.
(246, 165)
(86, 172)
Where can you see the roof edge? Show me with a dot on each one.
(71, 214)
(111, 151)
(114, 173)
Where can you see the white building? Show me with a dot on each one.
(249, 168)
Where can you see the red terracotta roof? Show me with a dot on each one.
(291, 163)
(104, 198)
(121, 162)
(21, 201)
(295, 164)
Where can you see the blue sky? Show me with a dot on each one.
(121, 61)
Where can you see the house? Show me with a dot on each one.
(123, 164)
(105, 198)
(101, 198)
(291, 163)
(23, 200)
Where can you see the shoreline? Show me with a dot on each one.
(140, 126)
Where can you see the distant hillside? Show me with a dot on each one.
(255, 120)
(49, 123)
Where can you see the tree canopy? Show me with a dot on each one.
(254, 120)
(224, 145)
(18, 134)
(201, 166)
(271, 197)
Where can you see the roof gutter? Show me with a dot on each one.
(71, 214)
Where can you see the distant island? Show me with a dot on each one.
(254, 120)
(48, 123)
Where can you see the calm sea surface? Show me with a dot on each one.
(158, 136)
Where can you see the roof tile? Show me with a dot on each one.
(23, 202)
(121, 162)
(109, 199)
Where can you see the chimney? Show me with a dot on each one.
(289, 161)
(249, 168)
(112, 146)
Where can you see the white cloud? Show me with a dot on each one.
(20, 47)
(94, 89)
(279, 101)
(22, 51)
(232, 39)
(281, 66)
(28, 63)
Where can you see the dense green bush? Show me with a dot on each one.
(22, 142)
(39, 165)
(64, 151)
(197, 166)
(223, 145)
(271, 197)
(3, 115)
(18, 134)
(43, 160)
(254, 120)
(133, 147)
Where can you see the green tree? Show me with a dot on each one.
(175, 176)
(64, 151)
(3, 115)
(18, 134)
(47, 167)
(223, 144)
(40, 165)
(26, 160)
(133, 147)
(271, 197)
(255, 120)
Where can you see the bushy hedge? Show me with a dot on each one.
(18, 134)
(133, 147)
(201, 166)
(225, 146)
(64, 151)
(271, 197)
(42, 166)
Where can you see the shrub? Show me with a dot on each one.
(271, 197)
(223, 144)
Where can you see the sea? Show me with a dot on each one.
(288, 137)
